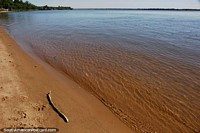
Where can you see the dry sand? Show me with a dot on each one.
(24, 83)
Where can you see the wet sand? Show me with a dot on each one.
(24, 83)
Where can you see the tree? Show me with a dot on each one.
(20, 5)
(16, 5)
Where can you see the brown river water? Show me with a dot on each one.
(143, 65)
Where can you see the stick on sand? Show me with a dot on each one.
(55, 109)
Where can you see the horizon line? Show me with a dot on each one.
(114, 8)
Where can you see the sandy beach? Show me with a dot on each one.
(4, 11)
(24, 83)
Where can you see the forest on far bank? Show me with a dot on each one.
(16, 5)
(20, 5)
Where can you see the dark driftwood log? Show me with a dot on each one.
(55, 109)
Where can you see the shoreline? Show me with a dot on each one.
(23, 95)
(141, 9)
(4, 11)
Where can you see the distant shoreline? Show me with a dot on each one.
(153, 9)
(126, 9)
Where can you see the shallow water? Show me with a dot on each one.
(143, 65)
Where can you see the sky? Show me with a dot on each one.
(120, 3)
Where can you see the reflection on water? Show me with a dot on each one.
(143, 65)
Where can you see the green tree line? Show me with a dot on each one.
(16, 5)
